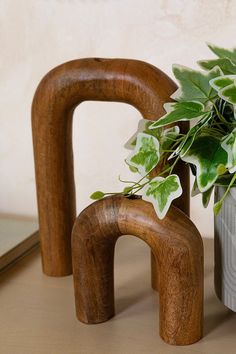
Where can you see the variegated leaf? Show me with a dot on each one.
(194, 85)
(185, 145)
(228, 94)
(223, 53)
(220, 82)
(207, 154)
(146, 154)
(229, 145)
(225, 65)
(168, 137)
(179, 111)
(161, 192)
(143, 127)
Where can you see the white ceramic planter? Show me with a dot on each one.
(225, 249)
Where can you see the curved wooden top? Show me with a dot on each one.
(121, 80)
(117, 215)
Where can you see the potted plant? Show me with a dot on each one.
(208, 98)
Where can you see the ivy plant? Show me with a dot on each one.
(209, 147)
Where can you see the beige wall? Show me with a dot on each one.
(36, 35)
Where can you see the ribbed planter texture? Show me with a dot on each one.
(225, 249)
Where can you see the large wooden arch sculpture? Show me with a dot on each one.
(59, 93)
(176, 245)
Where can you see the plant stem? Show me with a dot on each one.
(168, 150)
(228, 188)
(173, 165)
(222, 118)
(124, 181)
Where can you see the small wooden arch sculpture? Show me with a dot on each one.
(178, 250)
(58, 94)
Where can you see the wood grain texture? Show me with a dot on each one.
(178, 250)
(134, 82)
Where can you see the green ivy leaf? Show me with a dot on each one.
(127, 190)
(97, 195)
(168, 137)
(206, 196)
(143, 127)
(224, 64)
(186, 143)
(133, 169)
(220, 82)
(161, 192)
(228, 94)
(223, 53)
(195, 190)
(206, 153)
(221, 169)
(146, 154)
(194, 85)
(229, 145)
(178, 111)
